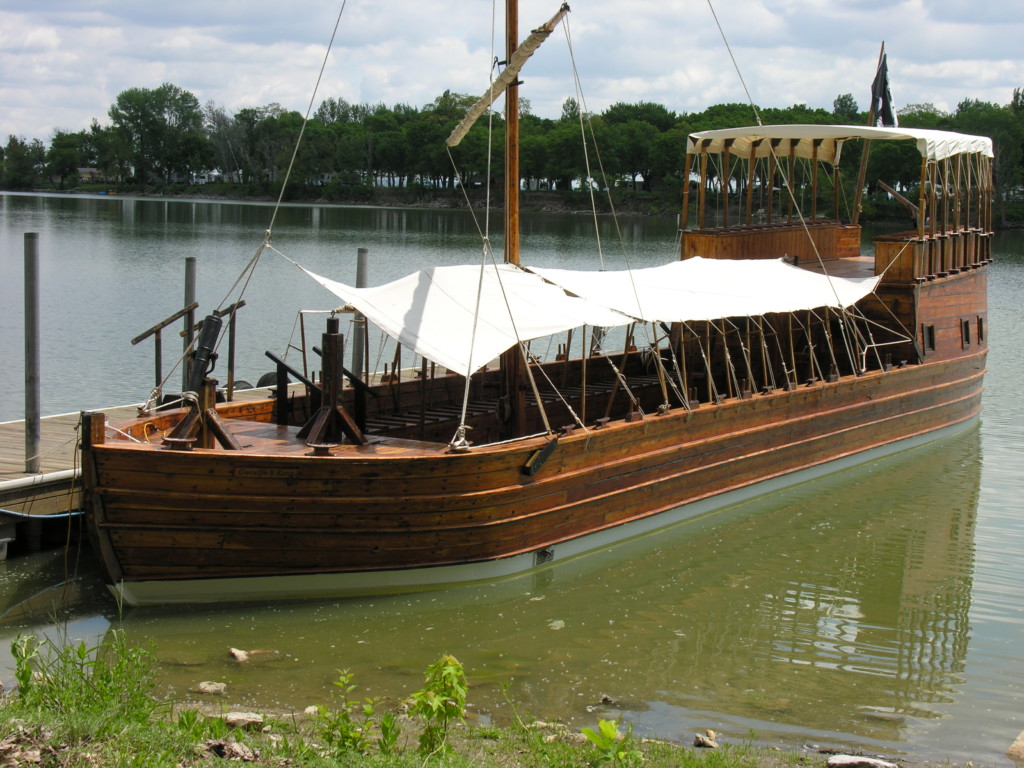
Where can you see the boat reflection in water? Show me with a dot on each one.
(835, 612)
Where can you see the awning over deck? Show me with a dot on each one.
(933, 145)
(434, 311)
(709, 289)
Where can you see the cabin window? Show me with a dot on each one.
(965, 333)
(981, 330)
(928, 337)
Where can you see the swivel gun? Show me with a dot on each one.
(204, 357)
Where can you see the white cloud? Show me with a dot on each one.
(63, 62)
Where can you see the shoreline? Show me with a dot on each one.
(658, 204)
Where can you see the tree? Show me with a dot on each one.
(631, 155)
(426, 134)
(224, 135)
(333, 110)
(255, 151)
(570, 111)
(722, 116)
(23, 162)
(63, 158)
(924, 116)
(845, 109)
(165, 128)
(110, 151)
(643, 111)
(1005, 128)
(533, 147)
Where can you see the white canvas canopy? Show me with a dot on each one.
(432, 311)
(708, 289)
(933, 145)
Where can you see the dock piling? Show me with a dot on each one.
(32, 395)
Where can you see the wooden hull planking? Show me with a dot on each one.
(399, 505)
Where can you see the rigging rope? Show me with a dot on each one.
(305, 120)
(780, 169)
(583, 110)
(245, 276)
(737, 66)
(459, 442)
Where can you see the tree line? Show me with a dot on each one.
(163, 136)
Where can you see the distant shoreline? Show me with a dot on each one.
(574, 203)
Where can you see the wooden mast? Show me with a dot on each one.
(512, 360)
(511, 139)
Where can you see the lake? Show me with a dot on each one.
(876, 609)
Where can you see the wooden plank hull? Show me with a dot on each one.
(399, 514)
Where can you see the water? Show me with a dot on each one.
(876, 609)
(112, 267)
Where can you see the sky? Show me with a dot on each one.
(63, 62)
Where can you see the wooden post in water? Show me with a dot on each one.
(190, 319)
(32, 400)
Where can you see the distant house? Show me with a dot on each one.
(89, 174)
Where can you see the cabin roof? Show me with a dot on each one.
(802, 139)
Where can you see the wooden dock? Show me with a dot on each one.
(53, 490)
(36, 499)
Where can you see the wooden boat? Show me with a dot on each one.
(465, 471)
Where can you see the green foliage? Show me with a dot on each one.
(94, 689)
(390, 731)
(63, 685)
(613, 746)
(359, 153)
(441, 701)
(349, 727)
(845, 109)
(22, 163)
(164, 127)
(197, 726)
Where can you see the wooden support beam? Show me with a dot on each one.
(751, 163)
(217, 427)
(685, 218)
(726, 178)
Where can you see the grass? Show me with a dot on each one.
(77, 706)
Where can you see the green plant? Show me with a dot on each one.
(92, 688)
(195, 725)
(190, 722)
(390, 730)
(24, 650)
(349, 727)
(614, 746)
(441, 701)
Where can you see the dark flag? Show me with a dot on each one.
(881, 97)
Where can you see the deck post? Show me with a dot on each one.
(359, 321)
(32, 398)
(685, 219)
(231, 354)
(207, 400)
(333, 350)
(726, 180)
(359, 337)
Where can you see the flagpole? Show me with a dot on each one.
(863, 172)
